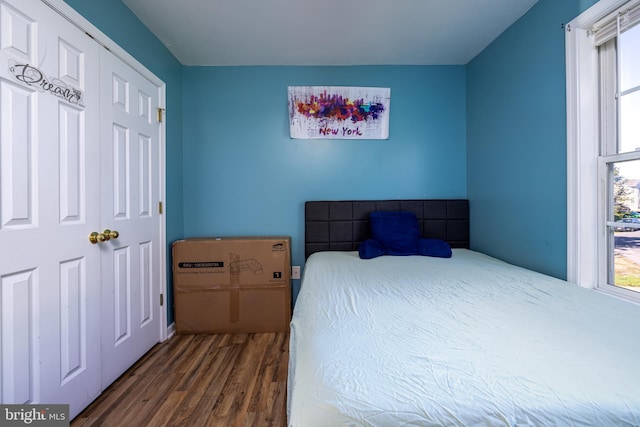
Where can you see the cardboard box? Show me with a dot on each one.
(232, 284)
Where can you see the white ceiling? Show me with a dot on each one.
(327, 32)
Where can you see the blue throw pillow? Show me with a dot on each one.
(398, 232)
(434, 247)
(371, 249)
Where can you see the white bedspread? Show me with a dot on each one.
(465, 341)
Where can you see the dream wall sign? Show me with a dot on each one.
(33, 77)
(337, 112)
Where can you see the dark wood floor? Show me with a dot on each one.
(200, 380)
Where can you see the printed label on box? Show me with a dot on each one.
(200, 264)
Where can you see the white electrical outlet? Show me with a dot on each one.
(295, 272)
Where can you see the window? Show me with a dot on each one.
(619, 156)
(603, 143)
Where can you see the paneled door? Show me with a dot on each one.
(129, 160)
(80, 237)
(49, 271)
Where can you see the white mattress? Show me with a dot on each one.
(463, 341)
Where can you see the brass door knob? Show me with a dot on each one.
(107, 234)
(113, 234)
(96, 237)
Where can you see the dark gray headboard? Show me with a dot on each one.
(342, 225)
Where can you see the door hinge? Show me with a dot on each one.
(161, 300)
(160, 111)
(160, 208)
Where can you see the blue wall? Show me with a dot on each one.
(114, 19)
(243, 175)
(516, 141)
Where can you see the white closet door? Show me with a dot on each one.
(49, 183)
(79, 153)
(130, 147)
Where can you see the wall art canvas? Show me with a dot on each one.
(339, 112)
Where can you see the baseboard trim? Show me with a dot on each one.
(171, 330)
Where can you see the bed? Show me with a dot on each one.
(461, 341)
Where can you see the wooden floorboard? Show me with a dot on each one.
(200, 380)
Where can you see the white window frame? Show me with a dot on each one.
(586, 193)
